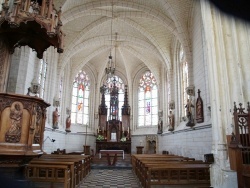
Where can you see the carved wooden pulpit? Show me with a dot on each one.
(22, 122)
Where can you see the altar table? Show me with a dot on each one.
(108, 152)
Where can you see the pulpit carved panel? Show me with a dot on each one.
(22, 121)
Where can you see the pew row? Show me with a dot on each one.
(78, 166)
(49, 173)
(154, 169)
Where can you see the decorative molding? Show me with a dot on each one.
(171, 105)
(190, 90)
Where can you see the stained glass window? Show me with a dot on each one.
(147, 100)
(80, 99)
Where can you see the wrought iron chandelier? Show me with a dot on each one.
(110, 69)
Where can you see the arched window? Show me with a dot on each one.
(42, 76)
(147, 100)
(184, 75)
(120, 85)
(80, 99)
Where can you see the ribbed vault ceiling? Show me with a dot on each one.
(145, 31)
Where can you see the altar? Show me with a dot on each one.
(113, 132)
(104, 145)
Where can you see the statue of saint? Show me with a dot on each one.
(55, 119)
(68, 124)
(160, 126)
(13, 135)
(189, 108)
(171, 121)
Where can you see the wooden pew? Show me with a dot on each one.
(156, 157)
(79, 165)
(178, 174)
(144, 168)
(170, 170)
(85, 159)
(49, 173)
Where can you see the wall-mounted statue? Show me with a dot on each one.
(55, 119)
(68, 124)
(199, 109)
(189, 113)
(160, 126)
(171, 121)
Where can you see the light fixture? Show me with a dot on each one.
(110, 69)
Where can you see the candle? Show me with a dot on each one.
(122, 129)
(128, 129)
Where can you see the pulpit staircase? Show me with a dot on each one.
(239, 146)
(102, 163)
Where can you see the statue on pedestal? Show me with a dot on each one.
(189, 113)
(55, 119)
(68, 124)
(171, 121)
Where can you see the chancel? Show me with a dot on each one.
(155, 91)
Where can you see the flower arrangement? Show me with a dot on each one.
(123, 139)
(100, 137)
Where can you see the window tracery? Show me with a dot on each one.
(80, 99)
(147, 100)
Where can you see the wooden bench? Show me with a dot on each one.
(136, 159)
(85, 159)
(49, 173)
(170, 170)
(178, 174)
(79, 165)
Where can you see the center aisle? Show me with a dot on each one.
(110, 178)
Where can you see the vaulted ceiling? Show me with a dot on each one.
(143, 32)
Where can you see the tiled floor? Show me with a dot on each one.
(111, 178)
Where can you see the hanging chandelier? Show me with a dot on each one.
(110, 69)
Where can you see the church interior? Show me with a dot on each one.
(155, 78)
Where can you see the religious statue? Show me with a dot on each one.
(199, 109)
(159, 126)
(55, 119)
(189, 113)
(68, 124)
(171, 121)
(13, 135)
